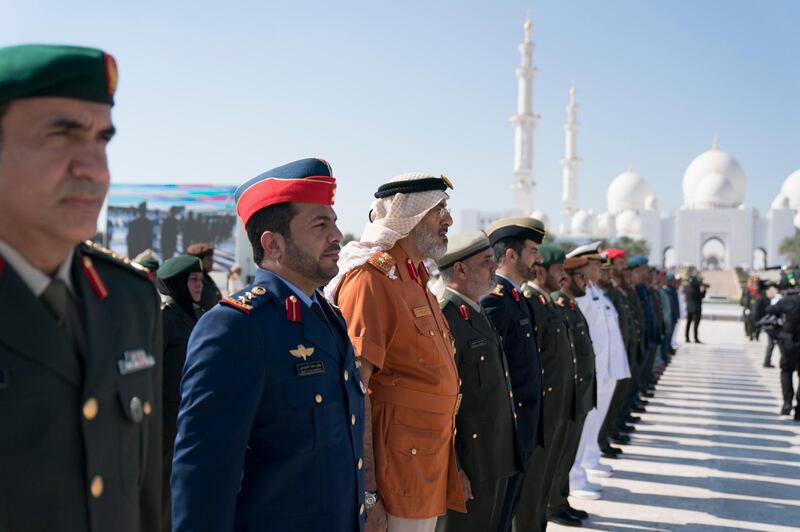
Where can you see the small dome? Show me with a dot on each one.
(780, 202)
(628, 190)
(542, 217)
(651, 203)
(584, 223)
(713, 161)
(628, 224)
(603, 220)
(791, 190)
(715, 191)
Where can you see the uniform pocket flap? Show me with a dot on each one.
(414, 441)
(311, 392)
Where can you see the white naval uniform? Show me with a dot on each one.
(611, 362)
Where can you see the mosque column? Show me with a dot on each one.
(570, 164)
(524, 124)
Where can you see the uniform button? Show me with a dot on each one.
(506, 374)
(550, 389)
(444, 334)
(346, 375)
(519, 405)
(574, 360)
(318, 398)
(535, 329)
(542, 371)
(483, 358)
(90, 408)
(353, 419)
(96, 487)
(558, 330)
(413, 451)
(361, 510)
(528, 335)
(511, 394)
(137, 412)
(360, 463)
(515, 415)
(147, 408)
(581, 379)
(474, 435)
(430, 332)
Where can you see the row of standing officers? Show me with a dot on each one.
(368, 404)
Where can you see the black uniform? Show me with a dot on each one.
(789, 344)
(81, 440)
(585, 393)
(694, 292)
(211, 294)
(558, 375)
(486, 444)
(512, 319)
(622, 390)
(178, 325)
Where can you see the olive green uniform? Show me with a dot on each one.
(81, 438)
(559, 394)
(486, 440)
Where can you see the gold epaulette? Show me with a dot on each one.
(382, 261)
(243, 301)
(527, 293)
(498, 290)
(560, 301)
(96, 250)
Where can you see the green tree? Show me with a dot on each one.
(347, 238)
(790, 248)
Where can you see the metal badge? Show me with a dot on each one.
(137, 412)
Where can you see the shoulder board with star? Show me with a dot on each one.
(243, 300)
(96, 250)
(560, 301)
(382, 261)
(528, 293)
(498, 290)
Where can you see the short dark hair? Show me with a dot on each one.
(500, 247)
(447, 273)
(276, 219)
(3, 111)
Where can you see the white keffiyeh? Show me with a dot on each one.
(391, 219)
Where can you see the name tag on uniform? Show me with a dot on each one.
(524, 321)
(422, 311)
(304, 369)
(480, 342)
(135, 360)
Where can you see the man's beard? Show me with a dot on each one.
(576, 290)
(526, 272)
(476, 286)
(307, 266)
(428, 243)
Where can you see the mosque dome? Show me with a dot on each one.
(628, 190)
(714, 191)
(603, 222)
(651, 203)
(780, 202)
(714, 179)
(542, 217)
(791, 191)
(628, 224)
(584, 223)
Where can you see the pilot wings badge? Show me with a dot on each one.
(302, 352)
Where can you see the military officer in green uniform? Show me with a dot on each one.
(486, 440)
(585, 381)
(80, 362)
(558, 367)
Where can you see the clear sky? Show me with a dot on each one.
(213, 93)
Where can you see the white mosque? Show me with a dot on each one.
(712, 229)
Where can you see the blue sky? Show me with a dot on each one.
(217, 94)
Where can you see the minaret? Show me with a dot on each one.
(570, 164)
(524, 122)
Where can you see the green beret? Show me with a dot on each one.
(463, 246)
(551, 255)
(178, 265)
(523, 227)
(36, 70)
(635, 262)
(150, 264)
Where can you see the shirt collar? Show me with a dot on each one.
(299, 293)
(469, 301)
(509, 280)
(35, 279)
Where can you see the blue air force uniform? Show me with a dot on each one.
(270, 429)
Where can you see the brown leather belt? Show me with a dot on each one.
(406, 397)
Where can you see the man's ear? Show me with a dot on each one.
(510, 255)
(273, 245)
(460, 271)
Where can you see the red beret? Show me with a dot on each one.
(303, 181)
(614, 253)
